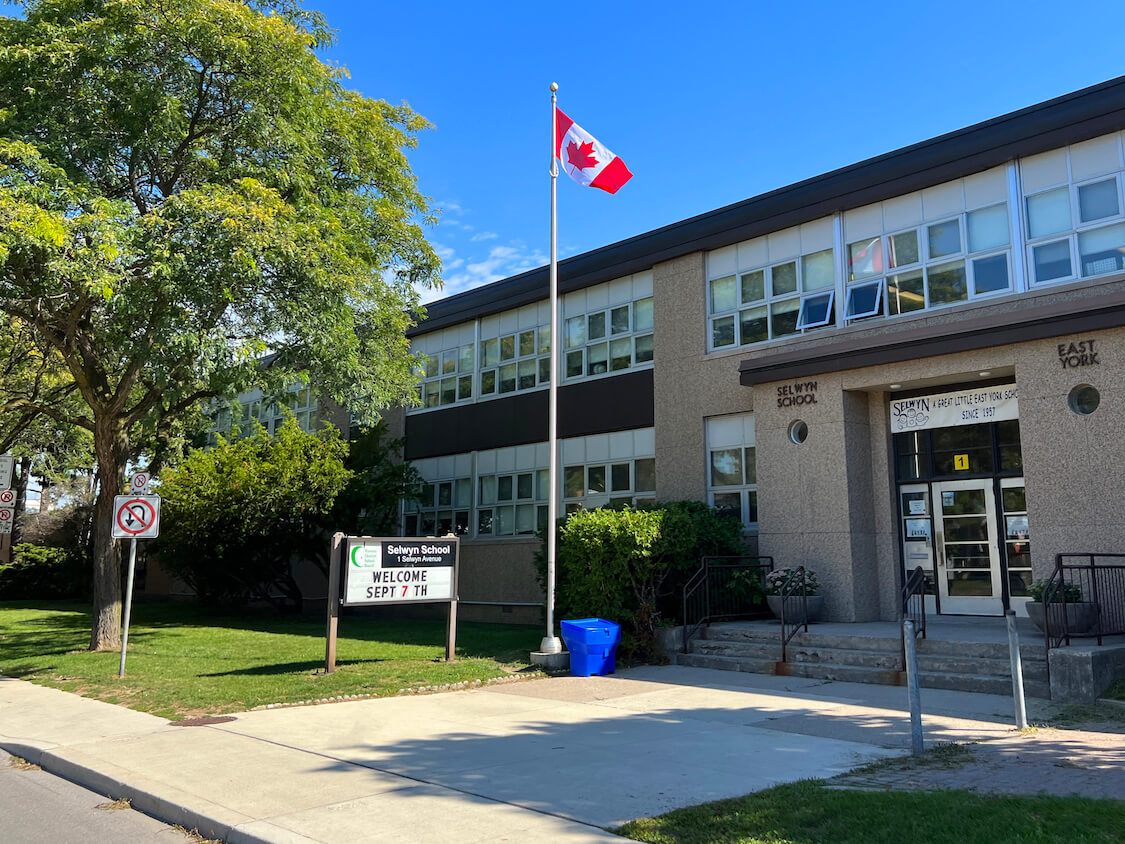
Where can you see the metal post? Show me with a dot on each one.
(1017, 670)
(916, 743)
(551, 643)
(334, 551)
(128, 604)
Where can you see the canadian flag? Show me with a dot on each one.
(585, 159)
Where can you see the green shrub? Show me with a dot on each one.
(630, 565)
(38, 571)
(1071, 593)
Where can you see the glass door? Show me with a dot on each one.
(966, 547)
(918, 535)
(1017, 542)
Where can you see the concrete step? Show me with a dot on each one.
(979, 666)
(722, 633)
(984, 650)
(842, 673)
(723, 663)
(982, 684)
(737, 650)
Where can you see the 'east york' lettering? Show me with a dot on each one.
(1080, 353)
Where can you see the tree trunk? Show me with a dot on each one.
(111, 445)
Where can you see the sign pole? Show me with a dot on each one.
(128, 603)
(451, 624)
(335, 551)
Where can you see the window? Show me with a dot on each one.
(515, 362)
(772, 302)
(442, 507)
(1076, 231)
(614, 483)
(512, 504)
(447, 377)
(732, 473)
(610, 340)
(940, 263)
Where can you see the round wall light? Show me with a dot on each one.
(798, 432)
(1084, 399)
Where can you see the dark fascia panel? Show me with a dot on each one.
(619, 403)
(1068, 119)
(934, 340)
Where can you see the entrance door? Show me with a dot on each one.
(967, 550)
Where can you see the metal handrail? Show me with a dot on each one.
(1099, 584)
(794, 587)
(914, 600)
(912, 607)
(708, 595)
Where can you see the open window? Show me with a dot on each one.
(816, 310)
(864, 300)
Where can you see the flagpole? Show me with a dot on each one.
(551, 643)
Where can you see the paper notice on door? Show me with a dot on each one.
(917, 528)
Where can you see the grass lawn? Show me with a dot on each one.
(185, 661)
(809, 813)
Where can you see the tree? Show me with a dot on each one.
(370, 504)
(185, 186)
(236, 515)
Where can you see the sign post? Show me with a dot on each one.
(392, 570)
(7, 496)
(135, 517)
(7, 463)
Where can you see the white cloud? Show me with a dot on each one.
(477, 238)
(463, 274)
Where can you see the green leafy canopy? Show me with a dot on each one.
(185, 186)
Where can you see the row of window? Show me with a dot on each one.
(1074, 230)
(301, 403)
(1078, 212)
(609, 340)
(515, 503)
(941, 263)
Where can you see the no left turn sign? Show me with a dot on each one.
(135, 517)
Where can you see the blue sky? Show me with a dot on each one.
(708, 103)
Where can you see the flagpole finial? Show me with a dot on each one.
(554, 87)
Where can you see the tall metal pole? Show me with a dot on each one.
(1017, 670)
(551, 643)
(913, 681)
(128, 604)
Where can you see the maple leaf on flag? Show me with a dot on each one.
(580, 156)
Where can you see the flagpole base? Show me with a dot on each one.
(550, 645)
(551, 660)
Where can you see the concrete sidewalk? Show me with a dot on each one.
(558, 759)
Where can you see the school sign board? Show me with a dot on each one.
(393, 570)
(371, 570)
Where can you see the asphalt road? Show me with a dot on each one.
(37, 808)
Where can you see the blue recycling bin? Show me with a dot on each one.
(592, 643)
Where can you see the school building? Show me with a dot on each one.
(916, 360)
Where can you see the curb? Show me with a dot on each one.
(145, 800)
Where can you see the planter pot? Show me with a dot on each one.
(1081, 617)
(794, 614)
(670, 640)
